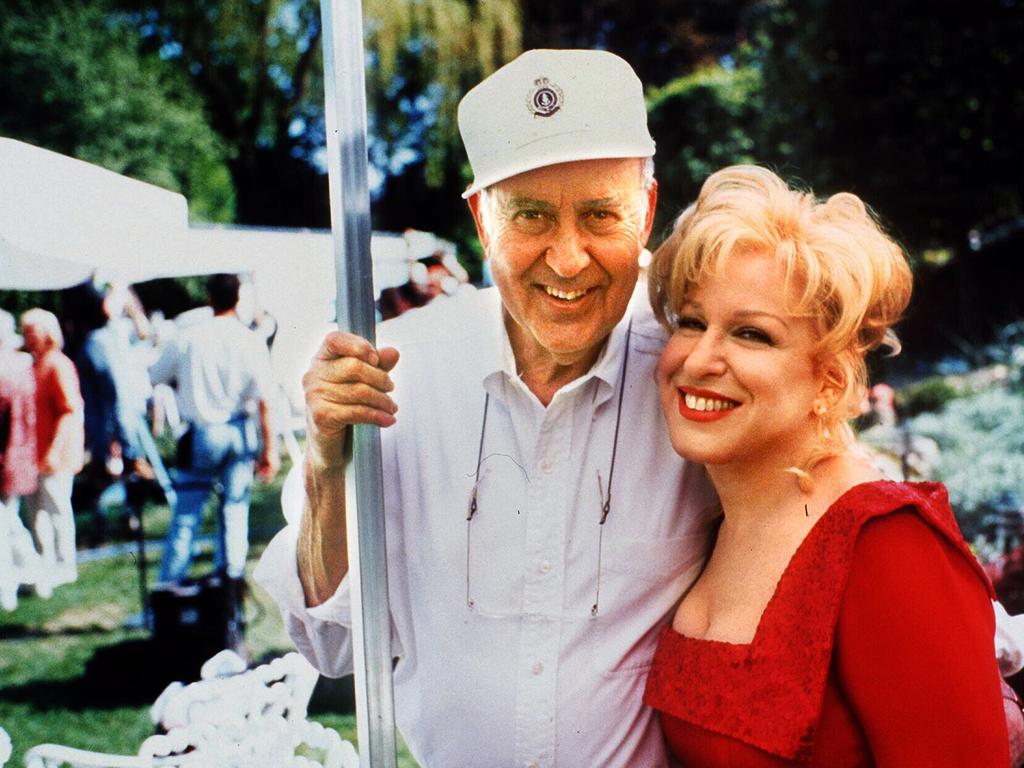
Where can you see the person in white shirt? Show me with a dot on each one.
(523, 633)
(224, 386)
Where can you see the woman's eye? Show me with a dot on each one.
(755, 335)
(688, 323)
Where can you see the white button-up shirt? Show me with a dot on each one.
(502, 660)
(221, 368)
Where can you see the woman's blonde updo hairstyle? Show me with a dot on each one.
(853, 281)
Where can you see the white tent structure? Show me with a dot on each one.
(64, 221)
(62, 218)
(292, 272)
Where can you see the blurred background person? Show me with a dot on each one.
(116, 390)
(224, 387)
(115, 383)
(431, 277)
(18, 471)
(60, 441)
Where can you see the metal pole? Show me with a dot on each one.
(344, 87)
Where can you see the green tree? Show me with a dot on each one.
(917, 107)
(701, 122)
(661, 39)
(257, 66)
(72, 80)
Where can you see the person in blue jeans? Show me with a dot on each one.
(224, 385)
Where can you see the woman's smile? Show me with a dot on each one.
(704, 404)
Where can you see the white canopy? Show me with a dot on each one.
(61, 218)
(64, 221)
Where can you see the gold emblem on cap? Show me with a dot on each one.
(545, 99)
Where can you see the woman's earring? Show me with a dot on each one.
(820, 408)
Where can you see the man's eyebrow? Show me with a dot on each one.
(600, 202)
(519, 203)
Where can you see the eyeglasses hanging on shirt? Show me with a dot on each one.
(604, 490)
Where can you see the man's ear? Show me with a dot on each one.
(474, 203)
(652, 203)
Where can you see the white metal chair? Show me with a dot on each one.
(252, 719)
(280, 687)
(269, 741)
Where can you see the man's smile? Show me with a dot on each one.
(565, 295)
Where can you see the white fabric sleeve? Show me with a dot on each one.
(1009, 640)
(323, 633)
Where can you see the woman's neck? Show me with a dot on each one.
(755, 494)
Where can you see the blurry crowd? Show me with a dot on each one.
(83, 398)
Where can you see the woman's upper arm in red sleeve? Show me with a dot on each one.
(914, 650)
(69, 392)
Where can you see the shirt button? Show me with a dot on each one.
(537, 668)
(544, 567)
(547, 467)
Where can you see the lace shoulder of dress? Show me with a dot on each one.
(769, 693)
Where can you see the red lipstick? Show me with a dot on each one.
(694, 415)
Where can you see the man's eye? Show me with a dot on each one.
(531, 221)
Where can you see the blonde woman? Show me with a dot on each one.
(840, 619)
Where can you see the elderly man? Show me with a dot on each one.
(531, 565)
(60, 442)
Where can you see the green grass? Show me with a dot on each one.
(72, 673)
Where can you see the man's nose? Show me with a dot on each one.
(567, 255)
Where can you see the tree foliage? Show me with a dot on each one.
(701, 122)
(72, 80)
(917, 107)
(661, 39)
(256, 67)
(423, 57)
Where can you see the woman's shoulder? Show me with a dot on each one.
(885, 516)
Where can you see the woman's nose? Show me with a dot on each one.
(706, 358)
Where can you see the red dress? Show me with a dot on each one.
(875, 649)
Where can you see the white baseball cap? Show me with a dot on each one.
(553, 106)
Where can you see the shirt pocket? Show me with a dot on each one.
(642, 580)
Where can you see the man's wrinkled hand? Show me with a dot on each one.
(347, 383)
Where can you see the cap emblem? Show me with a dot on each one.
(545, 99)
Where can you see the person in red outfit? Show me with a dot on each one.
(60, 441)
(840, 620)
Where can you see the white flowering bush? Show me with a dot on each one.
(981, 438)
